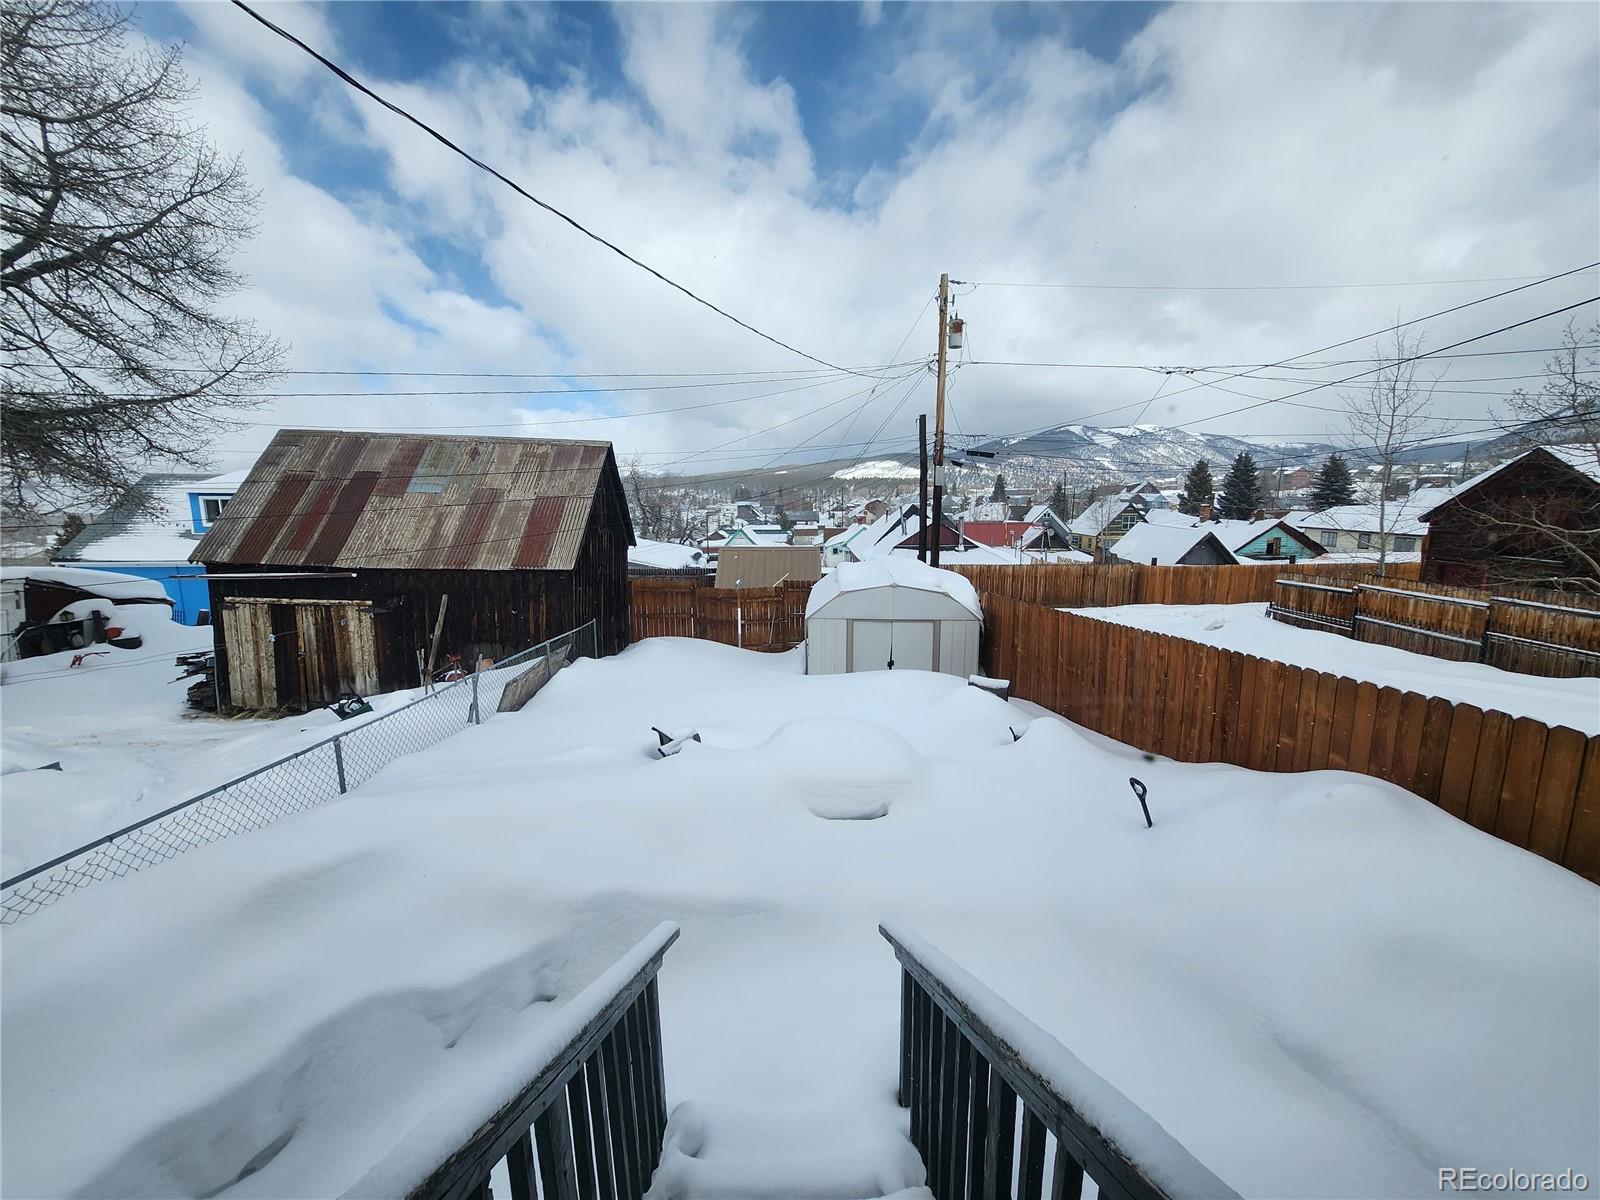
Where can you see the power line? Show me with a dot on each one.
(1288, 364)
(1255, 287)
(519, 189)
(565, 420)
(1392, 363)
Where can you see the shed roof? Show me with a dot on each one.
(890, 571)
(328, 498)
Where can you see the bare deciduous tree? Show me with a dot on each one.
(1566, 408)
(1390, 414)
(119, 220)
(1552, 538)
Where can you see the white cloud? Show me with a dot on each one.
(1227, 145)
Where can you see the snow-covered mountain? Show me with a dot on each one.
(1137, 450)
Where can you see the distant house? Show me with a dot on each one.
(1534, 520)
(1003, 534)
(757, 535)
(343, 552)
(152, 531)
(1268, 540)
(1098, 526)
(1352, 528)
(1173, 545)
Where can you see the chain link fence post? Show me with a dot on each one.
(338, 763)
(474, 717)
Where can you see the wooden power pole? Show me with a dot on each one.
(922, 487)
(938, 418)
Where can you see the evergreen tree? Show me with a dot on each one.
(1197, 489)
(1241, 489)
(999, 493)
(71, 526)
(1059, 504)
(1334, 487)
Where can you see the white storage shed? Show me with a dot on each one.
(892, 613)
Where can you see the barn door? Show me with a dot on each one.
(915, 646)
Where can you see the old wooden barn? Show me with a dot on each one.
(1533, 521)
(330, 566)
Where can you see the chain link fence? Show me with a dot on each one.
(299, 781)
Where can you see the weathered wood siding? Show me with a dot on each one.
(1466, 545)
(490, 613)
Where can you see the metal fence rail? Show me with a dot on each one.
(289, 785)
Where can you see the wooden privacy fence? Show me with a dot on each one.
(1525, 782)
(1083, 585)
(771, 618)
(1514, 633)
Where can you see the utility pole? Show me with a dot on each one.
(938, 418)
(922, 487)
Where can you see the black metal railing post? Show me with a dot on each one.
(967, 1087)
(590, 1125)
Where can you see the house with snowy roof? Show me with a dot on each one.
(1169, 545)
(1534, 520)
(151, 531)
(1098, 526)
(1351, 528)
(1270, 539)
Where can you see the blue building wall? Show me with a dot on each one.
(197, 514)
(189, 593)
(1291, 548)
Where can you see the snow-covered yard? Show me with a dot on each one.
(1248, 629)
(1320, 984)
(126, 743)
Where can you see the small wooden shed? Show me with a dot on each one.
(892, 613)
(330, 567)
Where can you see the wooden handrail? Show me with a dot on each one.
(590, 1122)
(968, 1062)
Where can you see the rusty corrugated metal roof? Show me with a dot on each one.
(326, 498)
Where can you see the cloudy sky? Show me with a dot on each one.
(813, 168)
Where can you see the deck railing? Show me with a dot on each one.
(999, 1108)
(590, 1123)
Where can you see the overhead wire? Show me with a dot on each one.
(355, 83)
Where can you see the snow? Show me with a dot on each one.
(892, 571)
(126, 742)
(113, 585)
(665, 555)
(1318, 984)
(878, 468)
(1247, 628)
(1161, 543)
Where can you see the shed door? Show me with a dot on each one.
(892, 645)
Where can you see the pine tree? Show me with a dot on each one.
(1059, 504)
(71, 526)
(1334, 487)
(1241, 489)
(1197, 489)
(999, 493)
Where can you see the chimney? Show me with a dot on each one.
(1205, 512)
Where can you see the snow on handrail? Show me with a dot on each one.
(603, 1049)
(1098, 1130)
